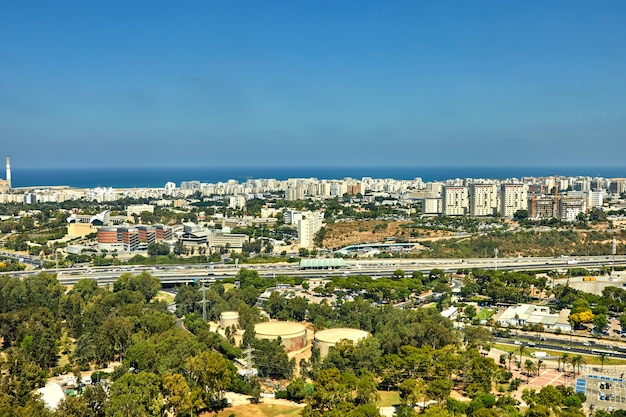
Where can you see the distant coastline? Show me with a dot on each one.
(157, 177)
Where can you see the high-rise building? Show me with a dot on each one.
(308, 226)
(595, 199)
(454, 200)
(483, 199)
(513, 197)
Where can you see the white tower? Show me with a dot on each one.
(8, 177)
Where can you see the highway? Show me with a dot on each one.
(179, 274)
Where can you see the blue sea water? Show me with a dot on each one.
(157, 177)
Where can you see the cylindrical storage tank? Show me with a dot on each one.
(228, 319)
(292, 335)
(325, 339)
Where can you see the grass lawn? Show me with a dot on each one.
(258, 410)
(486, 313)
(165, 296)
(388, 398)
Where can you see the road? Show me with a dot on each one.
(178, 274)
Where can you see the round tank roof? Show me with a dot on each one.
(335, 335)
(278, 328)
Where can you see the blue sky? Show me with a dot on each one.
(336, 82)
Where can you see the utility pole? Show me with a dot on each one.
(204, 300)
(248, 358)
(495, 251)
(614, 249)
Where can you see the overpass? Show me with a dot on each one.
(181, 274)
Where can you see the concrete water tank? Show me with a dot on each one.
(292, 335)
(325, 339)
(228, 319)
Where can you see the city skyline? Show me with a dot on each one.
(313, 84)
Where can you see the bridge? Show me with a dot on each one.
(367, 247)
(180, 274)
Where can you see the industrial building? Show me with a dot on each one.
(523, 314)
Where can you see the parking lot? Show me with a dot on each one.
(604, 392)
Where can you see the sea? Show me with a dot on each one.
(157, 177)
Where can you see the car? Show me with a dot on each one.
(601, 386)
(601, 396)
(586, 344)
(517, 342)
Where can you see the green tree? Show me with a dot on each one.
(136, 395)
(210, 376)
(600, 322)
(147, 284)
(366, 389)
(157, 248)
(178, 399)
(439, 389)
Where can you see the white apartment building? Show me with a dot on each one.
(308, 226)
(483, 199)
(293, 193)
(430, 205)
(513, 197)
(292, 216)
(595, 199)
(138, 209)
(455, 200)
(236, 201)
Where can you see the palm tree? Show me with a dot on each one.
(522, 349)
(576, 362)
(510, 356)
(530, 369)
(602, 358)
(540, 365)
(563, 360)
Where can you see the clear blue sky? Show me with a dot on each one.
(295, 82)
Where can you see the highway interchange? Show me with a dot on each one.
(180, 274)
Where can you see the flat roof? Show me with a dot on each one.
(322, 263)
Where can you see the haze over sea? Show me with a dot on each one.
(157, 177)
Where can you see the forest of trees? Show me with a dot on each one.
(47, 330)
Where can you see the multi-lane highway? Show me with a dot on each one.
(173, 274)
